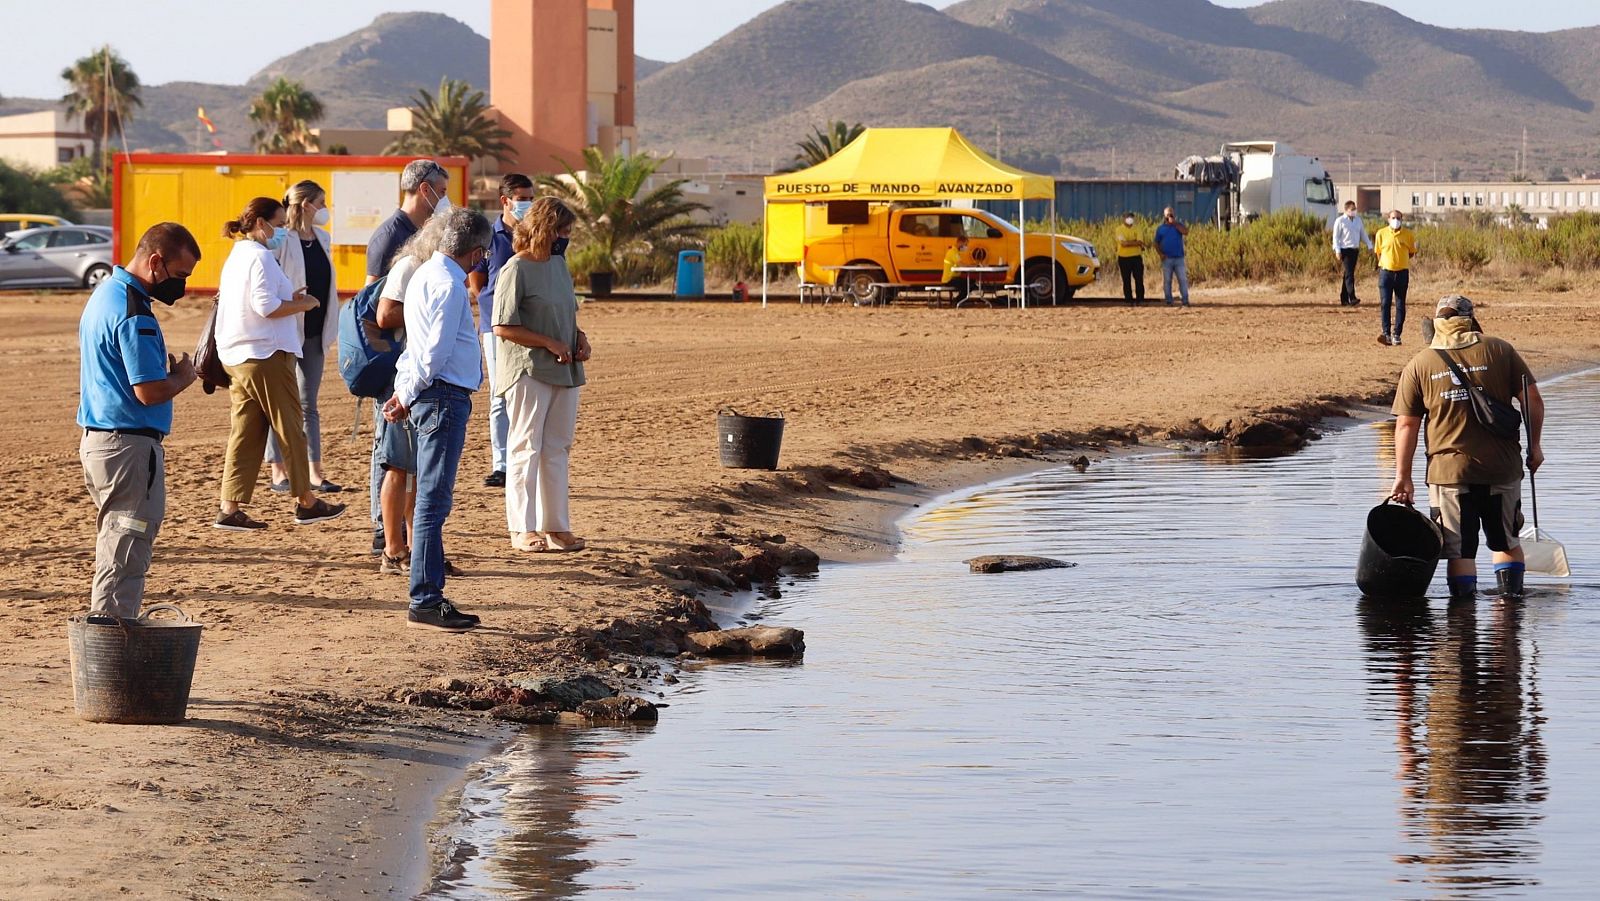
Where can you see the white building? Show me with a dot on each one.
(1436, 200)
(43, 140)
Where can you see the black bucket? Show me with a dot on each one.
(133, 670)
(1399, 552)
(749, 442)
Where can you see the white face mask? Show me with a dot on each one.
(1394, 224)
(321, 217)
(440, 203)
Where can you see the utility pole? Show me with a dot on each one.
(1350, 168)
(1522, 166)
(1113, 162)
(997, 149)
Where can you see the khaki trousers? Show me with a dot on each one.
(265, 398)
(127, 479)
(543, 418)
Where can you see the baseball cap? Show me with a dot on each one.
(1458, 302)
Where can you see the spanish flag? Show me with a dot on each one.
(200, 112)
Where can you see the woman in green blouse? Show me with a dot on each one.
(539, 369)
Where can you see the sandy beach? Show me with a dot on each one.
(298, 777)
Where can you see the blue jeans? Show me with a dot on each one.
(1392, 286)
(1171, 266)
(499, 420)
(440, 416)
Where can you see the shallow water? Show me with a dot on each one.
(1203, 708)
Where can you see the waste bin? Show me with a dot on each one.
(691, 275)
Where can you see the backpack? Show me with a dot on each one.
(367, 354)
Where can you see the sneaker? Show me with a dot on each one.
(321, 511)
(442, 616)
(452, 571)
(1394, 340)
(237, 521)
(328, 487)
(393, 566)
(496, 479)
(1385, 340)
(378, 544)
(279, 487)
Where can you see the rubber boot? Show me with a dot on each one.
(1510, 582)
(1464, 592)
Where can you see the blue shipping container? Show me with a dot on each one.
(1096, 200)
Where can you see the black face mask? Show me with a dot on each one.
(169, 289)
(559, 247)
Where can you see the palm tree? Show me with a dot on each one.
(823, 143)
(283, 115)
(104, 91)
(623, 222)
(455, 123)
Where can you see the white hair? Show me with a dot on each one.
(462, 230)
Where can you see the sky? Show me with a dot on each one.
(199, 40)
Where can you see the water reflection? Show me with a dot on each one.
(1472, 763)
(527, 809)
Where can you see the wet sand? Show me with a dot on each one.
(296, 777)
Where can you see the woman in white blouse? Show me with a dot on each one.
(258, 340)
(306, 256)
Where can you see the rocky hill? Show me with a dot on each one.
(1152, 80)
(1059, 85)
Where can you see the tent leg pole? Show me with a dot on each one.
(1053, 298)
(763, 254)
(1022, 252)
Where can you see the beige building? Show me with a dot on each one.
(43, 140)
(366, 141)
(1436, 200)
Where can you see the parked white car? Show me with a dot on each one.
(67, 256)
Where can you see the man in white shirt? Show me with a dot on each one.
(1349, 236)
(434, 381)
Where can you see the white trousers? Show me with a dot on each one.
(543, 418)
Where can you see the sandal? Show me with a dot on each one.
(556, 544)
(530, 542)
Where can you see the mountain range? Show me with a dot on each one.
(1077, 87)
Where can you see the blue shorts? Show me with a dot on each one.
(395, 445)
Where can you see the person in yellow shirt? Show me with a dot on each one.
(1130, 258)
(1395, 246)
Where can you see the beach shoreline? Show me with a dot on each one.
(299, 764)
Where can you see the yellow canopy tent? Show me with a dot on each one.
(889, 164)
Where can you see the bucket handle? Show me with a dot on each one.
(729, 411)
(183, 618)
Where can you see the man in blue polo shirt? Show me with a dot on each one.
(127, 381)
(516, 197)
(1169, 244)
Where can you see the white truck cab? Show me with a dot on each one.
(1273, 177)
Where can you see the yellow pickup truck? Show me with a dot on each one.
(871, 248)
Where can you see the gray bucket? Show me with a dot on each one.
(133, 670)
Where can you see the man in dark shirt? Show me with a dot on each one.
(423, 184)
(516, 197)
(127, 381)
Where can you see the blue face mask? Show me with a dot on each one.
(279, 235)
(520, 208)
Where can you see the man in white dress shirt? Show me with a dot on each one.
(1349, 236)
(433, 387)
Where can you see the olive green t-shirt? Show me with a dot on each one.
(537, 295)
(1460, 450)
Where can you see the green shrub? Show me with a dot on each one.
(734, 252)
(25, 191)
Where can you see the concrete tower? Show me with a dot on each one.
(561, 79)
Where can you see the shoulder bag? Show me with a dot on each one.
(1500, 418)
(206, 362)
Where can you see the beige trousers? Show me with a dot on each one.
(543, 419)
(266, 397)
(126, 477)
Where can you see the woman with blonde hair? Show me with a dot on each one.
(307, 259)
(258, 341)
(540, 369)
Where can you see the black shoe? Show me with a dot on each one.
(279, 487)
(496, 479)
(443, 616)
(452, 571)
(237, 521)
(321, 511)
(1510, 582)
(378, 544)
(328, 487)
